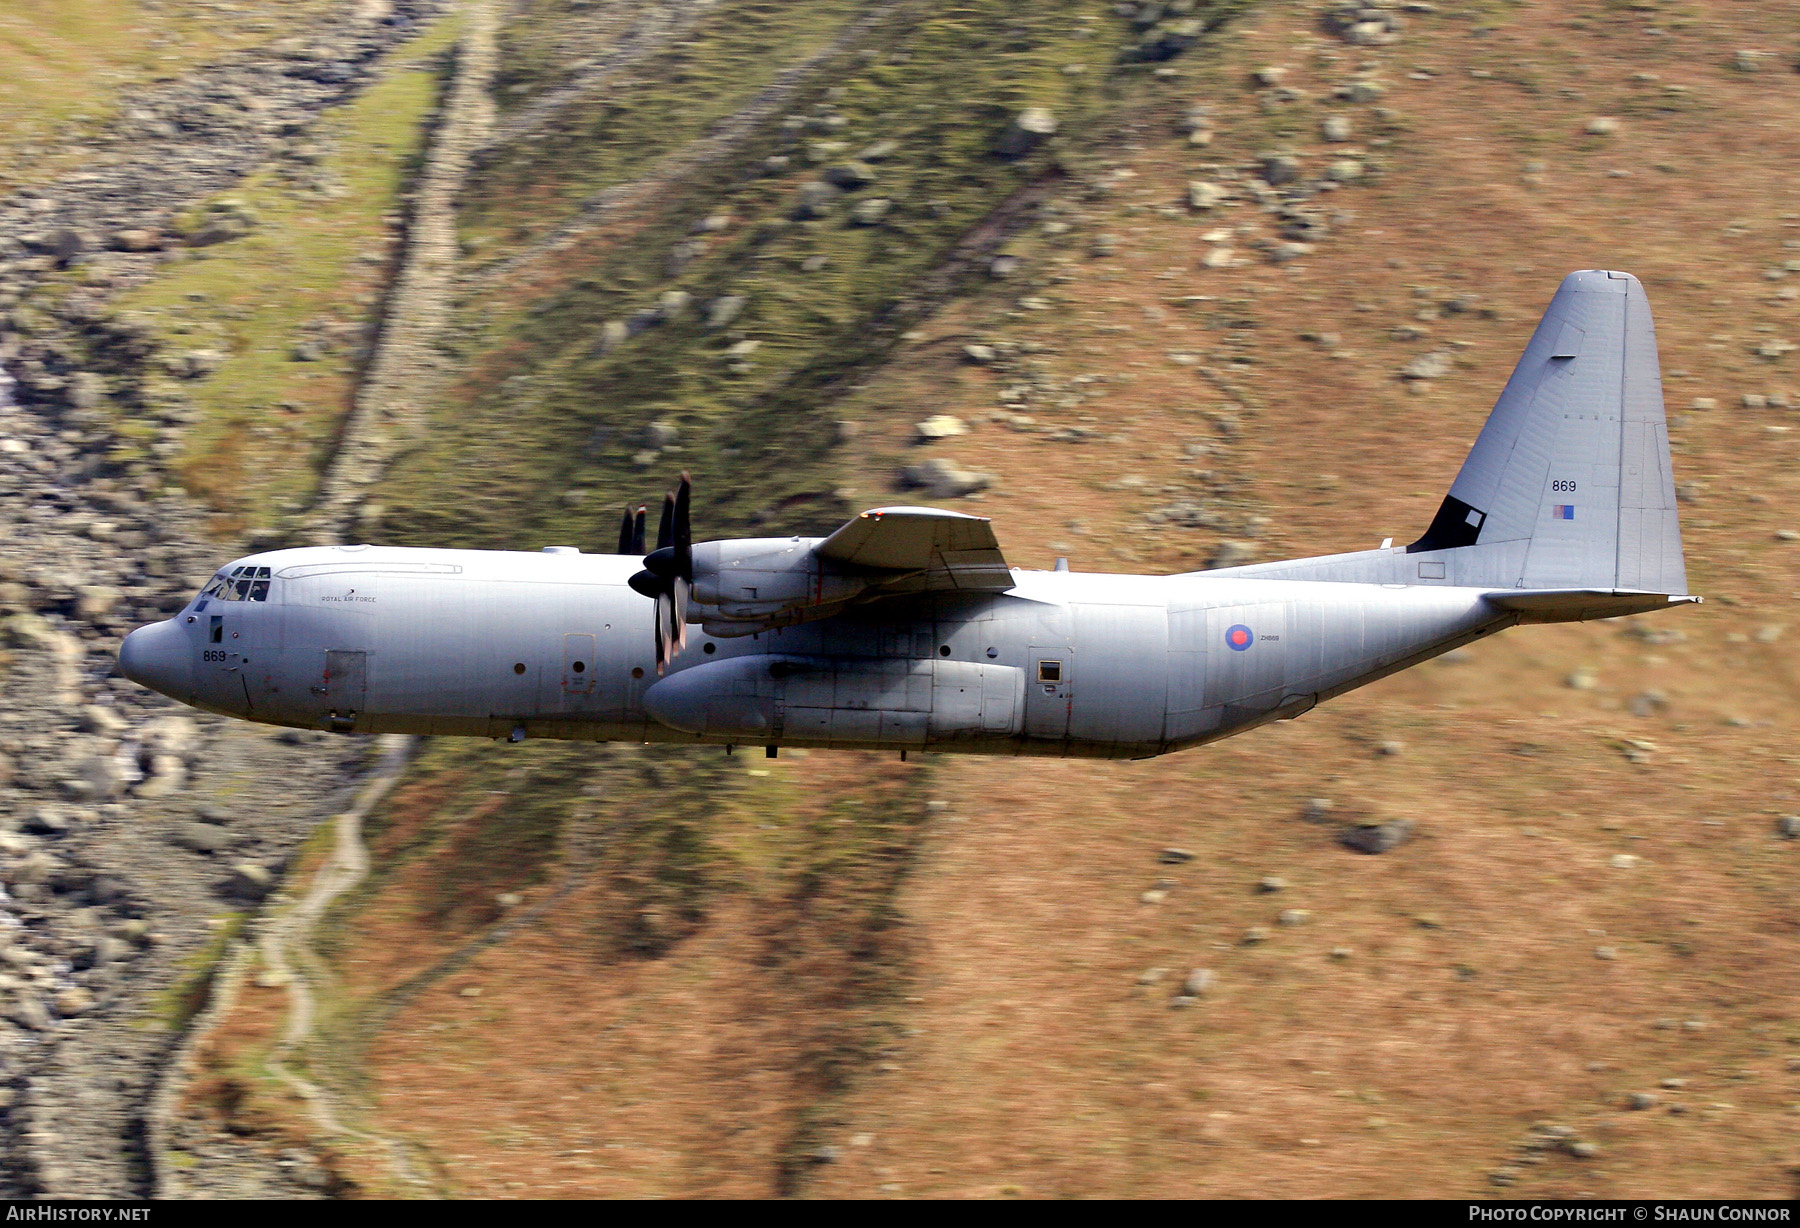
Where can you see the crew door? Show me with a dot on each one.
(346, 686)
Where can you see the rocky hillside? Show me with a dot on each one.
(1153, 285)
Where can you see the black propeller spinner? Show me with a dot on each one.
(668, 575)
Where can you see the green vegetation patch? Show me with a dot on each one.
(284, 316)
(176, 1006)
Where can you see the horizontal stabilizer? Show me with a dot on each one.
(1560, 605)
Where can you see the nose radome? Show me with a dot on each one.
(157, 656)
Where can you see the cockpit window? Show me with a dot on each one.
(241, 583)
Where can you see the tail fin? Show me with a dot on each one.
(1568, 487)
(1569, 484)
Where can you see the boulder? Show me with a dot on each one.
(101, 777)
(1280, 168)
(170, 735)
(250, 881)
(814, 199)
(939, 426)
(871, 212)
(849, 175)
(725, 309)
(1372, 837)
(942, 478)
(201, 837)
(95, 601)
(96, 718)
(1198, 982)
(1167, 41)
(137, 240)
(167, 776)
(48, 821)
(222, 221)
(197, 364)
(85, 390)
(1434, 365)
(34, 867)
(69, 244)
(1029, 129)
(1204, 196)
(1232, 553)
(29, 1013)
(74, 1001)
(26, 631)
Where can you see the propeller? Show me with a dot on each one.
(631, 531)
(668, 575)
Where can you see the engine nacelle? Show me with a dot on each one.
(741, 587)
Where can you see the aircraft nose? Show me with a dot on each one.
(157, 657)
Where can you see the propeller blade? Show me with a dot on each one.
(625, 532)
(665, 604)
(678, 607)
(637, 532)
(684, 529)
(665, 529)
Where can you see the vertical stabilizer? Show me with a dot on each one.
(1569, 484)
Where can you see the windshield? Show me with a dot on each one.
(242, 583)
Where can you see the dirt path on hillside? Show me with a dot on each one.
(284, 946)
(287, 952)
(406, 362)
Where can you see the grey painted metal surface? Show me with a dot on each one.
(906, 629)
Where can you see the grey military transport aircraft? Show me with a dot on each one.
(906, 629)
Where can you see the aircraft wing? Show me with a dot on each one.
(929, 548)
(746, 586)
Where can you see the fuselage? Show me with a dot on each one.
(555, 644)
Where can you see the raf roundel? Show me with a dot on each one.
(1239, 638)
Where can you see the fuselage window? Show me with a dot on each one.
(1049, 671)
